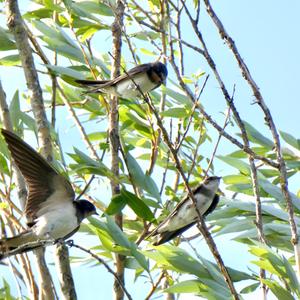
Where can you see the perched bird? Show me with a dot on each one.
(51, 212)
(185, 215)
(145, 78)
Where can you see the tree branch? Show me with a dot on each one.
(16, 26)
(114, 137)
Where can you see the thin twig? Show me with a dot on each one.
(86, 187)
(217, 143)
(154, 286)
(101, 261)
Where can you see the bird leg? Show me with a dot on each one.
(70, 243)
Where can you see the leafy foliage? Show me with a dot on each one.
(147, 172)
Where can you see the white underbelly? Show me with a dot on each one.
(56, 223)
(187, 214)
(129, 89)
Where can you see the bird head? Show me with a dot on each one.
(212, 182)
(160, 71)
(86, 208)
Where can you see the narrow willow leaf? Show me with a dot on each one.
(142, 180)
(176, 112)
(5, 42)
(250, 288)
(180, 98)
(290, 139)
(120, 238)
(137, 205)
(236, 163)
(65, 71)
(279, 291)
(256, 137)
(40, 13)
(15, 110)
(10, 60)
(182, 261)
(276, 192)
(116, 204)
(188, 286)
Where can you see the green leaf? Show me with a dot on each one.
(5, 292)
(188, 286)
(208, 290)
(97, 135)
(277, 290)
(14, 110)
(148, 52)
(137, 205)
(145, 35)
(236, 179)
(117, 234)
(290, 139)
(178, 97)
(116, 204)
(3, 167)
(275, 264)
(182, 261)
(121, 239)
(236, 163)
(64, 50)
(119, 201)
(65, 71)
(276, 192)
(176, 112)
(40, 13)
(96, 8)
(250, 288)
(5, 42)
(142, 180)
(87, 32)
(87, 164)
(50, 31)
(266, 265)
(292, 277)
(187, 80)
(236, 226)
(80, 11)
(10, 60)
(217, 290)
(29, 122)
(256, 137)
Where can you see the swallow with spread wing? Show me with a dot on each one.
(50, 210)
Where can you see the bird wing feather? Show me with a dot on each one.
(105, 83)
(41, 179)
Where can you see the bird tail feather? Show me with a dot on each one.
(12, 243)
(91, 82)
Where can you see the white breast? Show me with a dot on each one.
(187, 213)
(57, 222)
(128, 88)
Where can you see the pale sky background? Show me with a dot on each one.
(267, 36)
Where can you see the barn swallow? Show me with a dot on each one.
(185, 215)
(50, 210)
(145, 78)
